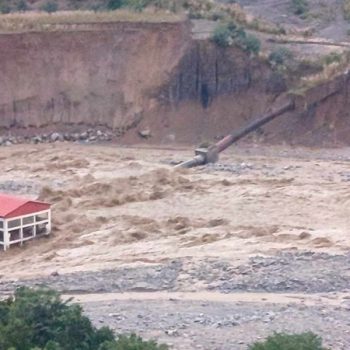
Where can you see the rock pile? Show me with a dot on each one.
(88, 136)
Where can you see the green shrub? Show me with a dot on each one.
(281, 341)
(132, 342)
(217, 16)
(115, 4)
(49, 7)
(224, 34)
(4, 9)
(300, 7)
(280, 56)
(346, 9)
(22, 6)
(250, 43)
(138, 5)
(333, 57)
(5, 6)
(228, 34)
(40, 320)
(309, 67)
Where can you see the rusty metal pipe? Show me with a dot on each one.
(228, 140)
(210, 155)
(191, 163)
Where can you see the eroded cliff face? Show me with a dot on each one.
(211, 92)
(215, 91)
(133, 76)
(100, 75)
(322, 117)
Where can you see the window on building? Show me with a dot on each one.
(42, 217)
(41, 229)
(28, 231)
(14, 223)
(14, 235)
(28, 220)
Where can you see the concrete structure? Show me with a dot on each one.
(22, 219)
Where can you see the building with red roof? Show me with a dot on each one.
(22, 219)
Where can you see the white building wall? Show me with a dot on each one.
(25, 229)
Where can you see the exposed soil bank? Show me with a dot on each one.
(100, 75)
(156, 77)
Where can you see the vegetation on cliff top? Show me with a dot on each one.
(154, 10)
(291, 70)
(346, 8)
(300, 7)
(228, 34)
(38, 21)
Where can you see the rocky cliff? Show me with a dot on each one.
(97, 74)
(153, 76)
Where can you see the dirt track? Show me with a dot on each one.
(271, 220)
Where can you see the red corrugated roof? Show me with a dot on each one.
(11, 206)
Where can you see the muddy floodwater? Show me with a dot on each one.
(264, 220)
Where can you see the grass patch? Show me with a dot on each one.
(300, 7)
(346, 9)
(34, 21)
(229, 12)
(326, 68)
(281, 341)
(49, 7)
(280, 56)
(333, 57)
(194, 9)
